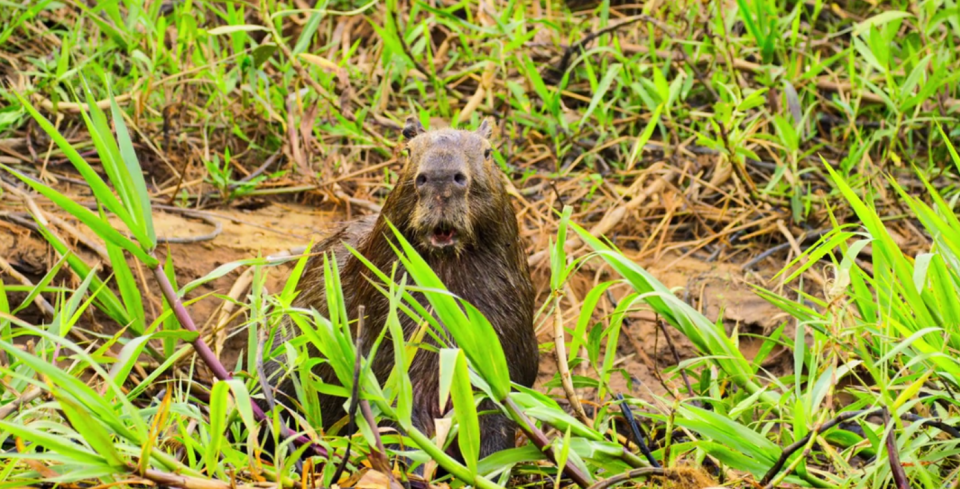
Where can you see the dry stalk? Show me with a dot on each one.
(560, 347)
(615, 215)
(49, 106)
(26, 397)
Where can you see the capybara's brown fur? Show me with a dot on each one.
(451, 204)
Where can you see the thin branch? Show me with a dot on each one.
(676, 355)
(26, 397)
(568, 53)
(379, 454)
(625, 476)
(560, 349)
(893, 454)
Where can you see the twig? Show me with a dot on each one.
(793, 465)
(261, 373)
(896, 468)
(782, 246)
(205, 217)
(26, 397)
(568, 53)
(940, 425)
(560, 349)
(366, 204)
(638, 435)
(49, 106)
(187, 482)
(625, 476)
(416, 64)
(676, 356)
(217, 229)
(541, 441)
(260, 169)
(379, 455)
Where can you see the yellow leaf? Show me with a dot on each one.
(910, 391)
(320, 61)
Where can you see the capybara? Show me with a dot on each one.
(449, 202)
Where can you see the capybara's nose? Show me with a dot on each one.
(444, 181)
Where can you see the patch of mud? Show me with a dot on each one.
(643, 352)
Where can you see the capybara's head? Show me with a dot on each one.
(449, 187)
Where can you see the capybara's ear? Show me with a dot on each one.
(412, 128)
(486, 128)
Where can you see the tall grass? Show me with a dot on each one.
(890, 334)
(871, 399)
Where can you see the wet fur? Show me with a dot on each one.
(488, 268)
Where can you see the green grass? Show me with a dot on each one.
(833, 118)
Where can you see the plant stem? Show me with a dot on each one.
(208, 357)
(560, 348)
(625, 476)
(448, 463)
(541, 441)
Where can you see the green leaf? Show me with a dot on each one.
(559, 257)
(911, 391)
(472, 332)
(139, 206)
(102, 228)
(223, 270)
(218, 418)
(534, 76)
(290, 287)
(879, 20)
(91, 430)
(920, 266)
(306, 35)
(127, 285)
(587, 309)
(170, 321)
(601, 92)
(644, 136)
(128, 356)
(242, 398)
(100, 190)
(448, 364)
(108, 302)
(57, 444)
(404, 410)
(953, 151)
(707, 336)
(42, 284)
(4, 312)
(468, 437)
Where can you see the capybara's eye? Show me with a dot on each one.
(421, 179)
(487, 153)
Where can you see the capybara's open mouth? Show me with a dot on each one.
(443, 236)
